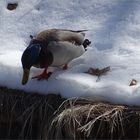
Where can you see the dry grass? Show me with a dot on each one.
(25, 115)
(32, 116)
(85, 119)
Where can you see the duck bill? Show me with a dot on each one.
(26, 73)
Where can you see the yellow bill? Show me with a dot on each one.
(26, 73)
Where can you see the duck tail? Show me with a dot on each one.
(86, 43)
(79, 31)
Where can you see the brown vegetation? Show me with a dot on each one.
(85, 119)
(98, 72)
(32, 116)
(26, 115)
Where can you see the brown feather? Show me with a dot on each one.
(76, 37)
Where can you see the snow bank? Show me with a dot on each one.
(114, 29)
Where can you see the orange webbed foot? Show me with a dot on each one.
(43, 75)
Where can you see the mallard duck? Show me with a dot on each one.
(53, 47)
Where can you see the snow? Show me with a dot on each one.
(114, 29)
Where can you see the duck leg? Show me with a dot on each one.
(65, 67)
(43, 75)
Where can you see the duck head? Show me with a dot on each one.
(28, 59)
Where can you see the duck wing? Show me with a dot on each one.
(77, 31)
(75, 37)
